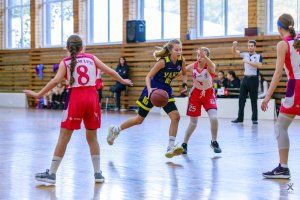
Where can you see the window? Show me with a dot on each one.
(162, 18)
(105, 21)
(222, 17)
(18, 23)
(278, 7)
(58, 21)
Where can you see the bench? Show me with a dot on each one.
(13, 100)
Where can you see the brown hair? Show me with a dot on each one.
(206, 50)
(288, 21)
(166, 49)
(74, 44)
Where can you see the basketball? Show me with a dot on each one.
(159, 98)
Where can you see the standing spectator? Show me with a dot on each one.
(122, 70)
(252, 63)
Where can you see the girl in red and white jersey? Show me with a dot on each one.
(202, 94)
(288, 57)
(82, 104)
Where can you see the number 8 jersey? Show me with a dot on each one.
(85, 71)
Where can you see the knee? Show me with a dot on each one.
(175, 117)
(138, 120)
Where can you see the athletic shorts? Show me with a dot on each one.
(82, 104)
(291, 102)
(199, 98)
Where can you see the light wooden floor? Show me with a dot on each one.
(135, 166)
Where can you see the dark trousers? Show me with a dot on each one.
(118, 88)
(248, 85)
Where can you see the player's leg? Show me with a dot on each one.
(172, 112)
(281, 133)
(213, 117)
(91, 138)
(50, 175)
(144, 108)
(189, 131)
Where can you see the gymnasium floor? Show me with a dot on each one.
(135, 166)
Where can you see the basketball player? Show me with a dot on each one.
(82, 103)
(288, 58)
(168, 66)
(202, 94)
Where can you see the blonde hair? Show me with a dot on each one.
(207, 50)
(166, 49)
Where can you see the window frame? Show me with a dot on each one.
(200, 22)
(90, 22)
(141, 5)
(8, 24)
(47, 22)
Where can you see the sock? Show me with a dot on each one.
(55, 164)
(284, 165)
(96, 163)
(118, 129)
(171, 141)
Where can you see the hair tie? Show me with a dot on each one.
(290, 26)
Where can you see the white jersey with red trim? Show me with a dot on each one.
(292, 59)
(202, 79)
(85, 72)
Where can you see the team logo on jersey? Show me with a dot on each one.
(212, 101)
(179, 67)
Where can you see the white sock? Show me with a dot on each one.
(171, 141)
(55, 164)
(96, 163)
(284, 165)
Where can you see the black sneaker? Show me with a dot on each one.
(278, 172)
(237, 121)
(184, 146)
(254, 122)
(215, 146)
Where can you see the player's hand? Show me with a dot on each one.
(127, 82)
(234, 44)
(31, 93)
(150, 91)
(264, 104)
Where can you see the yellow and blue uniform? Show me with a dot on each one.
(161, 80)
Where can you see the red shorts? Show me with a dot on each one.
(82, 103)
(291, 102)
(199, 98)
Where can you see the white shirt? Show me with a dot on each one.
(250, 70)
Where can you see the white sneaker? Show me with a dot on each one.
(174, 151)
(113, 133)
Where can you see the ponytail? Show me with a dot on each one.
(166, 49)
(74, 44)
(296, 40)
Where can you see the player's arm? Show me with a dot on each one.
(158, 66)
(281, 51)
(103, 67)
(258, 65)
(51, 84)
(211, 67)
(234, 48)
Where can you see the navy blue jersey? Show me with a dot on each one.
(161, 80)
(169, 72)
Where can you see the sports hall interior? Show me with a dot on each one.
(135, 166)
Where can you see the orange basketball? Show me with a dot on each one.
(159, 98)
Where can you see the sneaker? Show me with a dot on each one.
(215, 146)
(237, 121)
(174, 151)
(99, 178)
(113, 133)
(184, 146)
(254, 122)
(46, 177)
(278, 172)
